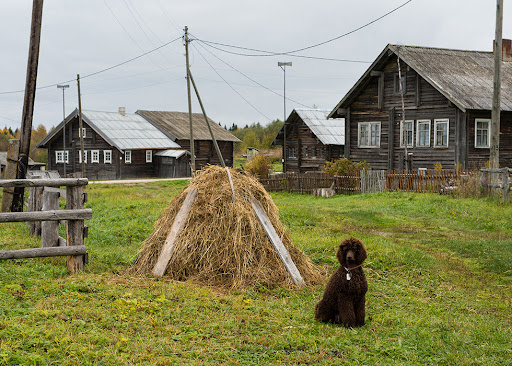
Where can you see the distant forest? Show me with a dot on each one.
(255, 135)
(39, 133)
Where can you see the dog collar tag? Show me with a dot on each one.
(349, 276)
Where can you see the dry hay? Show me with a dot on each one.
(223, 244)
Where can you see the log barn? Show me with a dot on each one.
(176, 126)
(448, 101)
(311, 139)
(117, 145)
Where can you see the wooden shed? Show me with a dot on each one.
(448, 102)
(117, 145)
(176, 126)
(173, 163)
(311, 140)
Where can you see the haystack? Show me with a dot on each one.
(222, 243)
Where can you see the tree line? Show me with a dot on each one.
(255, 135)
(38, 133)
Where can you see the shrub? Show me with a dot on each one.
(259, 165)
(344, 166)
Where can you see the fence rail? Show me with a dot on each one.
(421, 181)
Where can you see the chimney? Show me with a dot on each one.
(506, 50)
(122, 111)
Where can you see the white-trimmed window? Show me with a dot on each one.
(107, 156)
(423, 133)
(292, 151)
(84, 132)
(406, 133)
(60, 155)
(441, 132)
(368, 134)
(482, 132)
(128, 157)
(149, 156)
(95, 156)
(80, 157)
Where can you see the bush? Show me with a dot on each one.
(259, 165)
(344, 166)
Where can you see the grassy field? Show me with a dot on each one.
(439, 272)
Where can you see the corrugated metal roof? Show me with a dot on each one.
(177, 125)
(328, 131)
(172, 153)
(128, 131)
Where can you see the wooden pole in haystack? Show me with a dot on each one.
(192, 153)
(28, 101)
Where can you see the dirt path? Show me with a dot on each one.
(131, 181)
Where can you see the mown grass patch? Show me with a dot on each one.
(439, 274)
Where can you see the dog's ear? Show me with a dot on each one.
(361, 252)
(341, 251)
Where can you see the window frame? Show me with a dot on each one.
(292, 152)
(488, 120)
(149, 156)
(369, 134)
(65, 156)
(397, 83)
(436, 129)
(127, 156)
(83, 131)
(411, 121)
(105, 160)
(422, 122)
(80, 157)
(92, 156)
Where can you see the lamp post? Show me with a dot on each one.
(283, 65)
(63, 87)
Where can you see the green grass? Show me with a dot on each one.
(439, 272)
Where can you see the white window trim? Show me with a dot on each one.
(105, 160)
(128, 157)
(437, 122)
(84, 132)
(65, 155)
(418, 123)
(402, 133)
(97, 152)
(488, 133)
(150, 155)
(80, 157)
(369, 124)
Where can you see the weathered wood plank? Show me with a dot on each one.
(50, 229)
(278, 244)
(177, 226)
(10, 173)
(43, 252)
(69, 182)
(75, 228)
(83, 214)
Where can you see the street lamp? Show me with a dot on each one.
(283, 65)
(64, 87)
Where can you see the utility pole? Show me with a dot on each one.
(80, 127)
(63, 87)
(192, 153)
(28, 101)
(494, 146)
(283, 65)
(403, 130)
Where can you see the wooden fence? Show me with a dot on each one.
(74, 215)
(367, 181)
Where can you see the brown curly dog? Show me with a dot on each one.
(344, 297)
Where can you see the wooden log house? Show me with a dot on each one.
(176, 126)
(311, 140)
(117, 145)
(448, 101)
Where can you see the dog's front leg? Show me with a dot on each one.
(346, 313)
(360, 310)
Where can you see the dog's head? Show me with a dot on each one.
(351, 252)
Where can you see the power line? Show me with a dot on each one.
(254, 81)
(228, 84)
(100, 71)
(270, 53)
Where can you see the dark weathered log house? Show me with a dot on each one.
(311, 140)
(448, 101)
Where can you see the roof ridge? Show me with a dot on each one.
(437, 48)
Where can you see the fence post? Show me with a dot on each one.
(75, 228)
(35, 203)
(506, 185)
(50, 229)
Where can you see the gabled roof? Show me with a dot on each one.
(328, 131)
(464, 77)
(176, 125)
(122, 131)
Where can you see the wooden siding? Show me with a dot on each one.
(311, 153)
(205, 153)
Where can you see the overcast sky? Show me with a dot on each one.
(87, 36)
